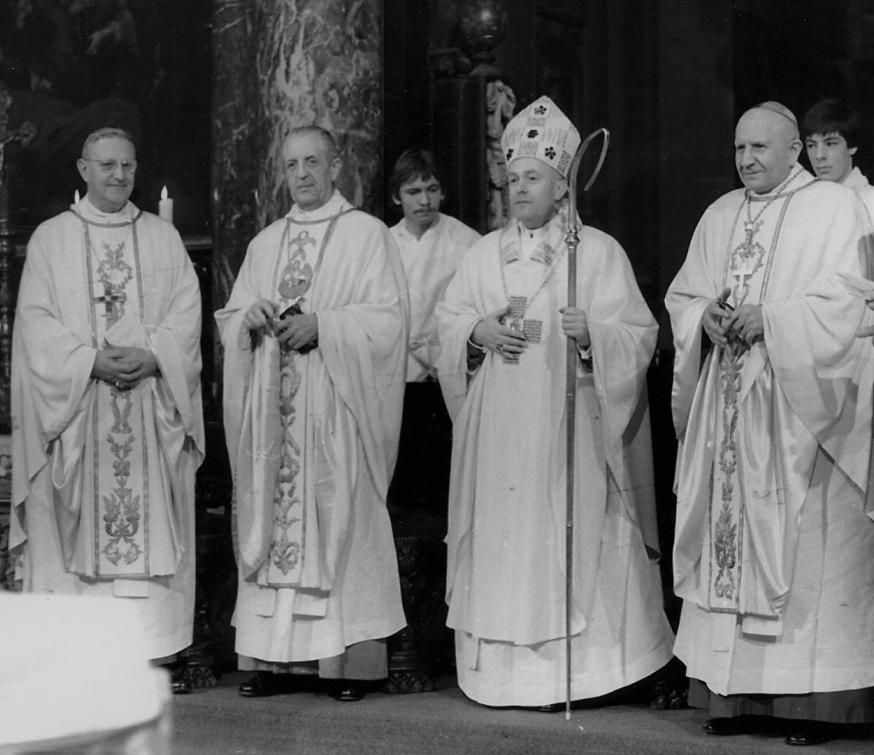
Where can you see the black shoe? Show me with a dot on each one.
(260, 685)
(724, 727)
(347, 693)
(180, 687)
(179, 684)
(809, 735)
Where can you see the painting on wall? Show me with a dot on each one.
(72, 66)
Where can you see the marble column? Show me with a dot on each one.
(280, 64)
(320, 61)
(235, 166)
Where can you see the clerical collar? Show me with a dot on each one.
(788, 186)
(86, 210)
(549, 237)
(334, 206)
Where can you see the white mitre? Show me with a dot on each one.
(543, 132)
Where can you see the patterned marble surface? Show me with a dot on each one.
(320, 61)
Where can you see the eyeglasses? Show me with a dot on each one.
(110, 166)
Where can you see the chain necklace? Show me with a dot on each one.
(754, 221)
(520, 304)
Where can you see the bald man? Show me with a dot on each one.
(774, 547)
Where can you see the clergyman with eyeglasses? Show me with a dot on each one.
(107, 425)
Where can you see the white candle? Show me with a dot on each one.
(165, 206)
(76, 197)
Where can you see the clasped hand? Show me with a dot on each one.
(124, 367)
(294, 331)
(722, 323)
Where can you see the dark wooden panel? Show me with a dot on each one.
(459, 138)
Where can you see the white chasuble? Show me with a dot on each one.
(103, 476)
(312, 436)
(774, 452)
(506, 555)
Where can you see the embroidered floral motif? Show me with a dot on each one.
(549, 152)
(531, 133)
(509, 154)
(540, 110)
(114, 273)
(297, 275)
(285, 551)
(725, 540)
(121, 513)
(121, 508)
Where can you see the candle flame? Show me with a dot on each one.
(164, 193)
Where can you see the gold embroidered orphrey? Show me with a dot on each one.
(745, 261)
(288, 517)
(297, 276)
(285, 560)
(120, 488)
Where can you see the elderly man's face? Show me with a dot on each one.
(310, 169)
(107, 168)
(766, 147)
(535, 190)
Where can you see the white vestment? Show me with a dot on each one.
(858, 182)
(506, 539)
(774, 552)
(103, 479)
(312, 437)
(429, 264)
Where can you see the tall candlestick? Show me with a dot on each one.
(165, 206)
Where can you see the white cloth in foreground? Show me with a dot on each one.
(429, 264)
(774, 548)
(76, 675)
(103, 479)
(506, 554)
(312, 438)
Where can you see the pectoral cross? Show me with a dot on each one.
(112, 302)
(743, 274)
(515, 319)
(746, 260)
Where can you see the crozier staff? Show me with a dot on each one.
(503, 328)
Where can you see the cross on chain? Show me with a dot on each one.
(749, 253)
